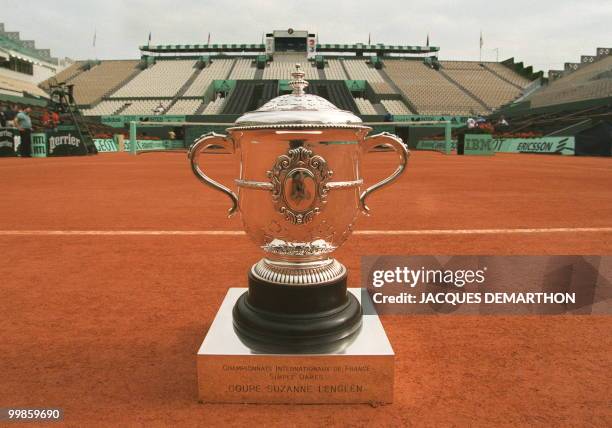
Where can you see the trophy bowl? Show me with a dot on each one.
(299, 194)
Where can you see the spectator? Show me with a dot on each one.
(159, 109)
(55, 119)
(502, 122)
(24, 124)
(2, 117)
(10, 115)
(46, 119)
(471, 123)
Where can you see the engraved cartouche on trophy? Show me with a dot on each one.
(299, 193)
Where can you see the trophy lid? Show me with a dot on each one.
(298, 109)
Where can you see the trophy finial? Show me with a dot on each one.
(298, 84)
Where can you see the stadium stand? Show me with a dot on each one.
(187, 106)
(334, 70)
(65, 75)
(477, 79)
(403, 86)
(105, 107)
(227, 80)
(590, 81)
(576, 102)
(334, 91)
(284, 64)
(243, 69)
(163, 79)
(91, 85)
(395, 107)
(577, 92)
(217, 70)
(357, 69)
(428, 90)
(144, 106)
(249, 95)
(365, 106)
(507, 74)
(19, 88)
(215, 107)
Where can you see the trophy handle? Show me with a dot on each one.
(196, 148)
(400, 149)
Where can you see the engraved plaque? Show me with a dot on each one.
(229, 372)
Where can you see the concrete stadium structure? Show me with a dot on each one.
(367, 79)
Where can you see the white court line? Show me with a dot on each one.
(483, 231)
(357, 232)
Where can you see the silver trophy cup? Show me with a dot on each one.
(299, 193)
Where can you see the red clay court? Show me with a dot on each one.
(113, 268)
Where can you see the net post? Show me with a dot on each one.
(447, 138)
(133, 138)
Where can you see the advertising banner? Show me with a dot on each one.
(64, 143)
(108, 145)
(7, 141)
(553, 145)
(478, 144)
(311, 47)
(550, 145)
(155, 144)
(39, 145)
(119, 121)
(269, 45)
(436, 145)
(456, 121)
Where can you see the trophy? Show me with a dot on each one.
(299, 194)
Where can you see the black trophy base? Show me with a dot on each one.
(307, 319)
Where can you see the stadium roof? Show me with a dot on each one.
(17, 50)
(359, 47)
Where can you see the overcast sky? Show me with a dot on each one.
(543, 33)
